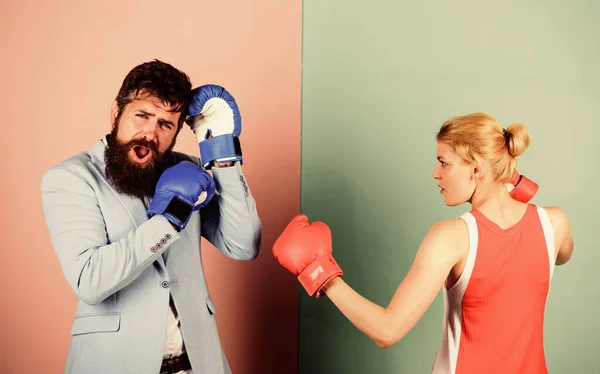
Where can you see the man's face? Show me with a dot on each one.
(140, 147)
(146, 118)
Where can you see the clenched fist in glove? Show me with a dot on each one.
(181, 190)
(215, 118)
(305, 250)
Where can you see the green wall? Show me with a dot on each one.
(379, 78)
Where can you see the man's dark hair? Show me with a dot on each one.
(158, 79)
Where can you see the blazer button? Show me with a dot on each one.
(168, 236)
(153, 249)
(164, 284)
(163, 240)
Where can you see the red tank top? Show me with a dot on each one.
(494, 314)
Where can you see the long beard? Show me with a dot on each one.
(131, 178)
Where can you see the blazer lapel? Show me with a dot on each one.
(133, 207)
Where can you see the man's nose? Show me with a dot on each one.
(150, 128)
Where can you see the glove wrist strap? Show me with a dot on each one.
(179, 210)
(319, 272)
(222, 148)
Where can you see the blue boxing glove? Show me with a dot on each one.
(181, 190)
(213, 115)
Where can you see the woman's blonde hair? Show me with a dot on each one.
(478, 135)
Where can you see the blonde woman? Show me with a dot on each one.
(494, 263)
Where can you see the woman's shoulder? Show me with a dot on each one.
(452, 232)
(560, 222)
(556, 214)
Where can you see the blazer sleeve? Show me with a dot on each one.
(94, 268)
(230, 220)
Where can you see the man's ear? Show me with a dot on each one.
(114, 112)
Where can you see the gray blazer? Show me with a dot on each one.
(123, 266)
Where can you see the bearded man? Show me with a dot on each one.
(126, 219)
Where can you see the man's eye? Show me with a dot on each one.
(142, 115)
(167, 125)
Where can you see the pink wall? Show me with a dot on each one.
(62, 65)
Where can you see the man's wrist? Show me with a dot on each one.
(222, 164)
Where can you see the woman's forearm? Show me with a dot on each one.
(368, 317)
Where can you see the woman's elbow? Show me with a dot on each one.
(382, 344)
(385, 342)
(386, 339)
(565, 253)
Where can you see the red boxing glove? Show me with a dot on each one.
(524, 188)
(305, 250)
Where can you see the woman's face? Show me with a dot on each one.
(454, 176)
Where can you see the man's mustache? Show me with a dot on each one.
(142, 143)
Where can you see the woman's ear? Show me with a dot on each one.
(479, 169)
